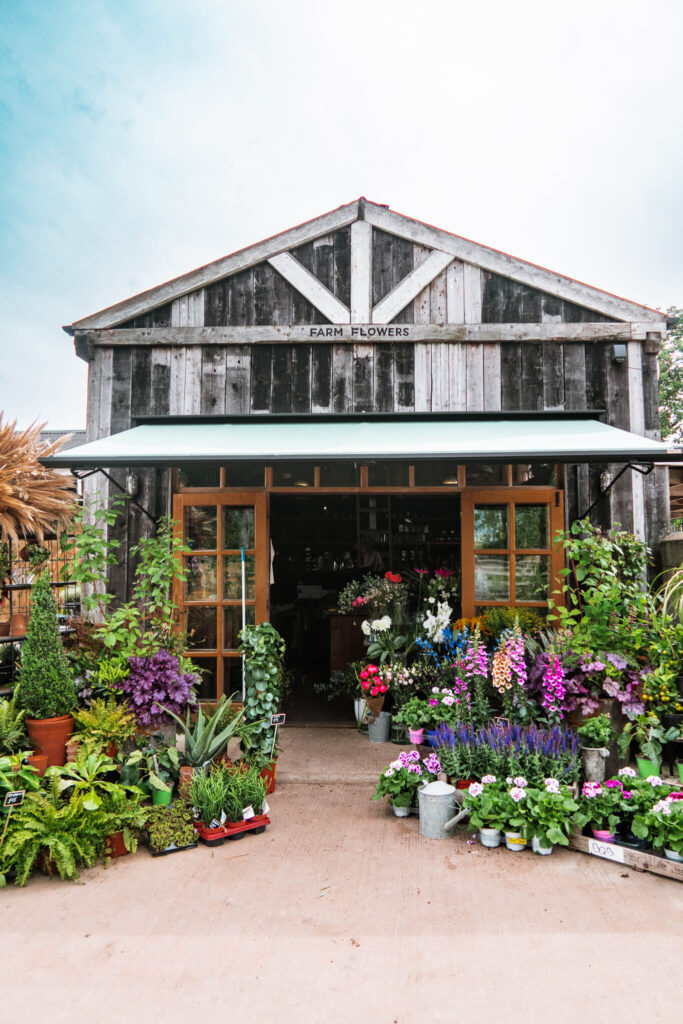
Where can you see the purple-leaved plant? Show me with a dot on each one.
(155, 681)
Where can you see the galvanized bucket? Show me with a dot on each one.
(379, 728)
(437, 806)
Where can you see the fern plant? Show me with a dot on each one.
(12, 731)
(124, 815)
(68, 834)
(105, 722)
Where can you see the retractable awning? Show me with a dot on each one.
(468, 438)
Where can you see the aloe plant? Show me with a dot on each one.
(202, 740)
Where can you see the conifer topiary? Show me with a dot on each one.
(45, 687)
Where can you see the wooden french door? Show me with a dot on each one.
(217, 527)
(508, 551)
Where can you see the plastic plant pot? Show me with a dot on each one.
(603, 835)
(161, 796)
(416, 736)
(647, 767)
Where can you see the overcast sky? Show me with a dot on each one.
(141, 139)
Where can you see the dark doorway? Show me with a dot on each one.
(321, 543)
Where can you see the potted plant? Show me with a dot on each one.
(203, 741)
(88, 779)
(650, 735)
(595, 734)
(415, 714)
(209, 796)
(600, 808)
(662, 825)
(401, 780)
(154, 769)
(56, 835)
(263, 649)
(638, 795)
(245, 800)
(158, 685)
(484, 800)
(45, 689)
(35, 554)
(170, 829)
(516, 825)
(15, 774)
(106, 725)
(126, 818)
(549, 814)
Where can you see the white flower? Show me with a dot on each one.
(365, 627)
(663, 805)
(488, 778)
(628, 772)
(654, 780)
(380, 625)
(434, 625)
(475, 789)
(396, 765)
(388, 773)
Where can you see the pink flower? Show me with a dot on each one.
(383, 688)
(433, 702)
(654, 780)
(488, 778)
(630, 772)
(374, 691)
(517, 793)
(475, 789)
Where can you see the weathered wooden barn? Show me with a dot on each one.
(367, 392)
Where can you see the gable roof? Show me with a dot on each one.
(381, 217)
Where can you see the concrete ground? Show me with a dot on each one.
(342, 913)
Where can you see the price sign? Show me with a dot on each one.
(278, 719)
(15, 798)
(248, 813)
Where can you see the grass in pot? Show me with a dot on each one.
(203, 740)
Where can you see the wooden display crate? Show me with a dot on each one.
(655, 863)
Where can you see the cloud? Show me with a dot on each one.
(147, 139)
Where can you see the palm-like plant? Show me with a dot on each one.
(202, 740)
(85, 779)
(33, 498)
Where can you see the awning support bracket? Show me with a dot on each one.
(131, 499)
(644, 471)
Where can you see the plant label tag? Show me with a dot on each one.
(609, 851)
(266, 808)
(501, 723)
(224, 817)
(278, 719)
(248, 813)
(15, 798)
(215, 823)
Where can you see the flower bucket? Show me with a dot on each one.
(594, 759)
(401, 812)
(544, 851)
(672, 855)
(490, 837)
(679, 765)
(515, 841)
(359, 708)
(603, 835)
(416, 736)
(647, 767)
(379, 728)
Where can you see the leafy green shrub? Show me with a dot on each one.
(87, 779)
(105, 722)
(496, 620)
(45, 687)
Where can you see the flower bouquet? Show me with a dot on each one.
(374, 690)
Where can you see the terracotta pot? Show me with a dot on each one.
(185, 781)
(4, 629)
(110, 749)
(115, 845)
(46, 865)
(17, 626)
(268, 773)
(49, 736)
(39, 762)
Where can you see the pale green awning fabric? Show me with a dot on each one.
(270, 440)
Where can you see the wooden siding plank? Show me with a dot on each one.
(438, 299)
(141, 381)
(281, 391)
(472, 294)
(342, 378)
(321, 378)
(212, 395)
(301, 378)
(238, 364)
(307, 285)
(440, 378)
(511, 374)
(423, 377)
(176, 390)
(457, 377)
(410, 287)
(492, 378)
(651, 396)
(621, 495)
(574, 376)
(532, 376)
(122, 367)
(342, 266)
(474, 357)
(261, 378)
(192, 397)
(93, 399)
(455, 292)
(404, 378)
(363, 377)
(106, 384)
(384, 378)
(553, 377)
(361, 273)
(161, 381)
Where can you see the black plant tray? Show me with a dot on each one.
(169, 849)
